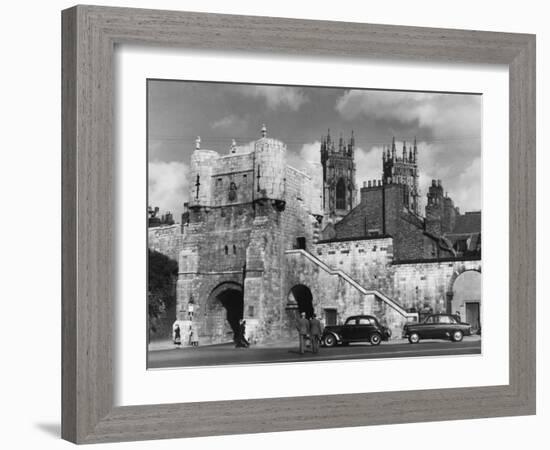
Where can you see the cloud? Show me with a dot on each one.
(309, 152)
(276, 96)
(168, 186)
(444, 114)
(368, 165)
(381, 104)
(470, 183)
(462, 182)
(237, 125)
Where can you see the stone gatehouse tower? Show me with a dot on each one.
(246, 209)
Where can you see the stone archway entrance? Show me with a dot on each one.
(466, 298)
(300, 295)
(225, 309)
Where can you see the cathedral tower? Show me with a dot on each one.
(339, 190)
(403, 170)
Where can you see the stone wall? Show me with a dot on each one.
(333, 289)
(167, 240)
(232, 179)
(428, 284)
(214, 252)
(369, 262)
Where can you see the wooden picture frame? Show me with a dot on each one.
(90, 34)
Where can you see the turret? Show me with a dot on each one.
(393, 150)
(202, 162)
(270, 157)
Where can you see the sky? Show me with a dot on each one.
(447, 127)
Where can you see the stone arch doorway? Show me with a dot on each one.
(300, 296)
(225, 309)
(465, 298)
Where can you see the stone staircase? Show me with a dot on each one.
(348, 279)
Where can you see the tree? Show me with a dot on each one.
(161, 286)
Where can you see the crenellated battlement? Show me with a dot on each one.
(245, 175)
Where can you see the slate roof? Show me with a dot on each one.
(468, 223)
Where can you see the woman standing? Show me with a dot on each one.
(194, 336)
(177, 335)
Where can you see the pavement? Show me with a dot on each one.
(165, 354)
(167, 344)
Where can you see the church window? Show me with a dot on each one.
(234, 250)
(226, 250)
(244, 179)
(341, 194)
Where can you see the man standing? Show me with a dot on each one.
(316, 331)
(242, 333)
(302, 325)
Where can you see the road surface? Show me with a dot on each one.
(227, 354)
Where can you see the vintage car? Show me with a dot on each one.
(355, 329)
(437, 326)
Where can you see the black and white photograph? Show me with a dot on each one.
(290, 224)
(258, 225)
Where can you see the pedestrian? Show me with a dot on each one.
(302, 325)
(177, 335)
(242, 326)
(315, 331)
(194, 336)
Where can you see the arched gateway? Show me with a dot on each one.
(224, 310)
(301, 297)
(465, 296)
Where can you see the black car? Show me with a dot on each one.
(355, 329)
(437, 326)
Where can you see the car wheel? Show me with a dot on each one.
(375, 339)
(457, 336)
(329, 341)
(414, 338)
